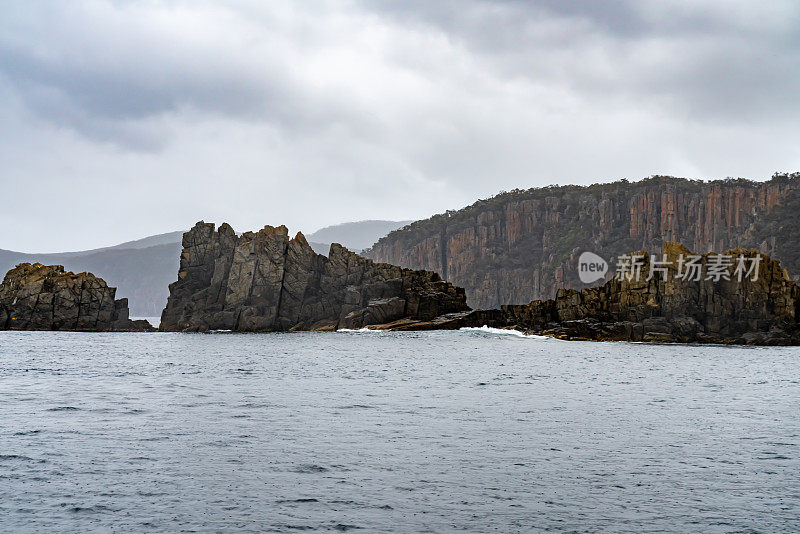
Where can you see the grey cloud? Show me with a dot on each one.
(144, 117)
(108, 91)
(694, 59)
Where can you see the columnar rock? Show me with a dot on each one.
(760, 309)
(523, 245)
(40, 297)
(264, 281)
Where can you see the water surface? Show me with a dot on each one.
(402, 432)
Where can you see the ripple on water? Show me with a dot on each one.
(435, 431)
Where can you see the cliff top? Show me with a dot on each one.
(622, 186)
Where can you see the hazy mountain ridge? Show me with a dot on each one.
(354, 236)
(523, 245)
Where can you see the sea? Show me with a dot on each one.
(476, 430)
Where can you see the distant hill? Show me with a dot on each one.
(355, 236)
(147, 242)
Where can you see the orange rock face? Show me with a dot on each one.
(523, 245)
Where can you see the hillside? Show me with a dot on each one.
(522, 245)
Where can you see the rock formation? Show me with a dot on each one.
(523, 245)
(39, 297)
(264, 281)
(760, 310)
(140, 271)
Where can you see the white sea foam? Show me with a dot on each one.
(505, 331)
(371, 330)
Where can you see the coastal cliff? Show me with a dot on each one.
(264, 281)
(40, 297)
(523, 245)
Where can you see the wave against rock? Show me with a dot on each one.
(264, 281)
(41, 297)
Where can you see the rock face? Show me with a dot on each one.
(264, 281)
(39, 297)
(669, 309)
(523, 245)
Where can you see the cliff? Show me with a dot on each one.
(264, 281)
(760, 309)
(39, 297)
(523, 245)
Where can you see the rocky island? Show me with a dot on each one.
(667, 308)
(265, 281)
(41, 297)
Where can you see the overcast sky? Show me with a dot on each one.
(123, 119)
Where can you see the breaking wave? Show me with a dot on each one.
(502, 331)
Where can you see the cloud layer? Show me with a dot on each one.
(120, 119)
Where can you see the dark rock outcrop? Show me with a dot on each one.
(264, 281)
(140, 270)
(523, 245)
(670, 309)
(40, 297)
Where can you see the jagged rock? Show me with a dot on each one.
(670, 309)
(39, 297)
(264, 281)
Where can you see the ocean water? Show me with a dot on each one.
(471, 431)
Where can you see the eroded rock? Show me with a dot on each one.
(40, 297)
(264, 281)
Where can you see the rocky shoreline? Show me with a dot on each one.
(264, 281)
(667, 309)
(664, 309)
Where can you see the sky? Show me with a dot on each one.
(122, 119)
